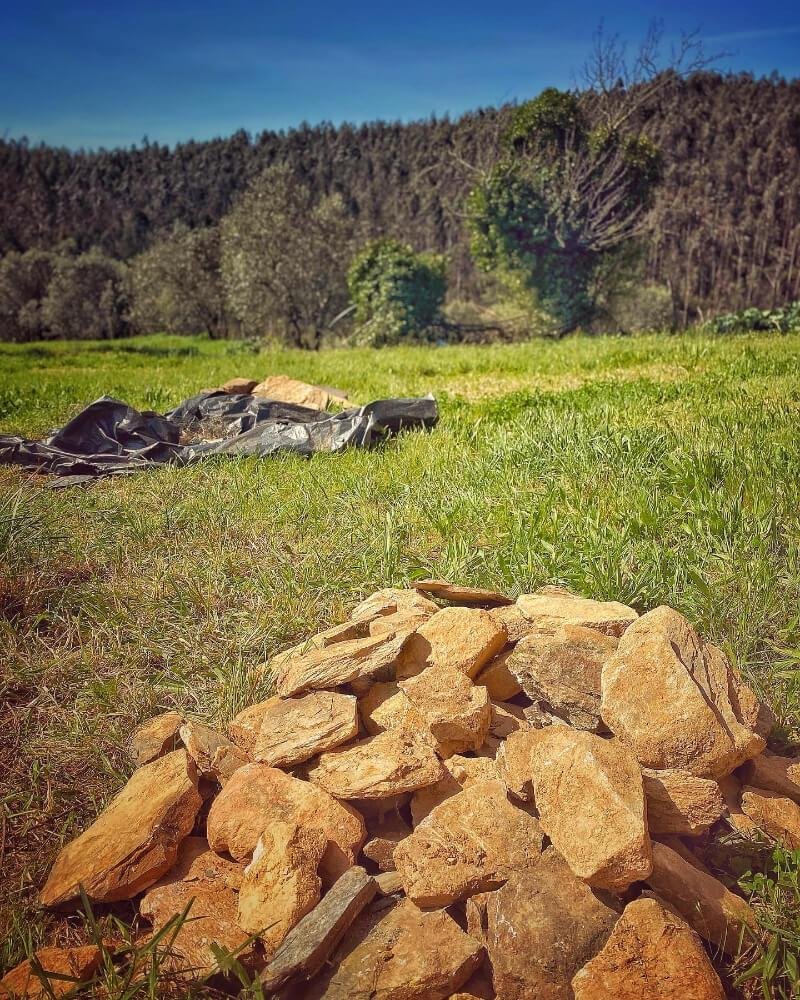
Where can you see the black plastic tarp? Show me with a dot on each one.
(110, 437)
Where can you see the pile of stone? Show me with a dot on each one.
(490, 798)
(286, 390)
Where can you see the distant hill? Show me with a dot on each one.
(725, 230)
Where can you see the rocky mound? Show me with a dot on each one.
(483, 799)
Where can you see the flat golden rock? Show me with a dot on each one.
(244, 728)
(390, 763)
(386, 706)
(157, 737)
(257, 797)
(498, 679)
(134, 840)
(561, 671)
(383, 837)
(293, 730)
(680, 803)
(455, 712)
(651, 955)
(291, 390)
(78, 964)
(674, 699)
(551, 607)
(202, 744)
(240, 386)
(589, 795)
(464, 639)
(281, 885)
(211, 884)
(390, 601)
(343, 632)
(541, 927)
(460, 772)
(371, 659)
(775, 814)
(470, 843)
(705, 904)
(397, 952)
(774, 774)
(461, 595)
(512, 619)
(402, 623)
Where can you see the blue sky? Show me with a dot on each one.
(92, 73)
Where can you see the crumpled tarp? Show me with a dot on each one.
(110, 437)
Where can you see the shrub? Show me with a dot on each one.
(87, 298)
(783, 320)
(24, 278)
(398, 293)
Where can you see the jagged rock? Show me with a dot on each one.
(369, 660)
(681, 803)
(541, 927)
(225, 761)
(383, 838)
(157, 737)
(512, 619)
(307, 946)
(774, 774)
(202, 744)
(239, 386)
(462, 638)
(79, 964)
(134, 840)
(291, 390)
(651, 955)
(388, 764)
(244, 728)
(460, 772)
(514, 763)
(673, 699)
(551, 607)
(506, 719)
(591, 804)
(294, 730)
(257, 797)
(477, 987)
(391, 600)
(281, 884)
(211, 884)
(398, 952)
(384, 707)
(343, 632)
(455, 712)
(498, 680)
(402, 622)
(561, 671)
(775, 814)
(389, 883)
(470, 843)
(461, 595)
(705, 904)
(731, 790)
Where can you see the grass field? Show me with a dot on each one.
(647, 470)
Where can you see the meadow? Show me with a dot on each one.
(647, 470)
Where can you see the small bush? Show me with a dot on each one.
(398, 293)
(786, 319)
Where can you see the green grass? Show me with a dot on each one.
(648, 470)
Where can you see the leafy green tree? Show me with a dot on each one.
(24, 279)
(87, 298)
(176, 285)
(570, 190)
(283, 259)
(398, 293)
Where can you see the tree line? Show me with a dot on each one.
(119, 240)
